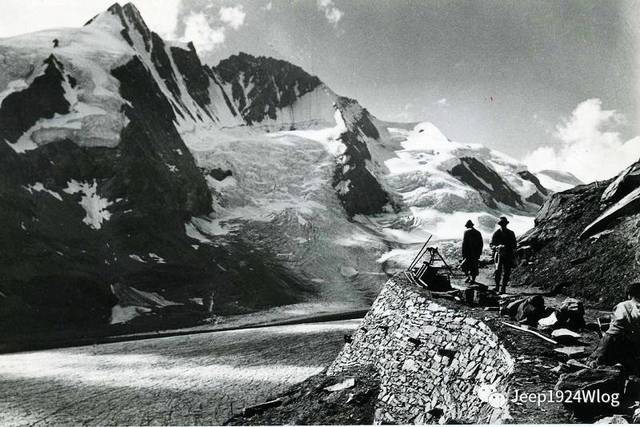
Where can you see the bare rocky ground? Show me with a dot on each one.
(182, 380)
(314, 402)
(206, 378)
(535, 372)
(535, 357)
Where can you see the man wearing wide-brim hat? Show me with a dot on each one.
(504, 245)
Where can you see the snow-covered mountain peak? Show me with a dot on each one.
(558, 181)
(427, 135)
(125, 20)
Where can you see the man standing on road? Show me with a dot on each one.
(504, 245)
(471, 250)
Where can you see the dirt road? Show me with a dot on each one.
(191, 379)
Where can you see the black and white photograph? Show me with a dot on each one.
(319, 212)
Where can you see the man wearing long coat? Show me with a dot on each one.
(471, 250)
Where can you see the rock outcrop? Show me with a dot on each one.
(585, 241)
(262, 87)
(487, 182)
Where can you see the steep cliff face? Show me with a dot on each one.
(262, 87)
(585, 241)
(487, 182)
(358, 177)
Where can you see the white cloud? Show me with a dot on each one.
(442, 102)
(588, 146)
(331, 12)
(268, 6)
(204, 34)
(163, 20)
(232, 16)
(204, 37)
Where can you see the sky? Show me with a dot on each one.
(552, 83)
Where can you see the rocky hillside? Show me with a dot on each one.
(585, 240)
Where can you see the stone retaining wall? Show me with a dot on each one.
(429, 358)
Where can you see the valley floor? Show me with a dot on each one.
(203, 378)
(183, 380)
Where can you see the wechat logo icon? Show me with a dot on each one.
(488, 393)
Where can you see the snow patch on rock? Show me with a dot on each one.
(96, 207)
(39, 187)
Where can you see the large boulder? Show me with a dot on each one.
(629, 204)
(592, 385)
(625, 183)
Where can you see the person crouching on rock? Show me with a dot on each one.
(471, 251)
(504, 245)
(620, 344)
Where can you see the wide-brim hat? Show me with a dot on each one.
(469, 223)
(503, 221)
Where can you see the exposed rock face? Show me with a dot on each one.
(261, 86)
(487, 182)
(625, 183)
(42, 99)
(628, 205)
(357, 188)
(542, 193)
(151, 124)
(585, 247)
(82, 212)
(621, 198)
(356, 185)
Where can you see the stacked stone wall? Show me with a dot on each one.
(432, 359)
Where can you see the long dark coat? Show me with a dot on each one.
(508, 239)
(472, 244)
